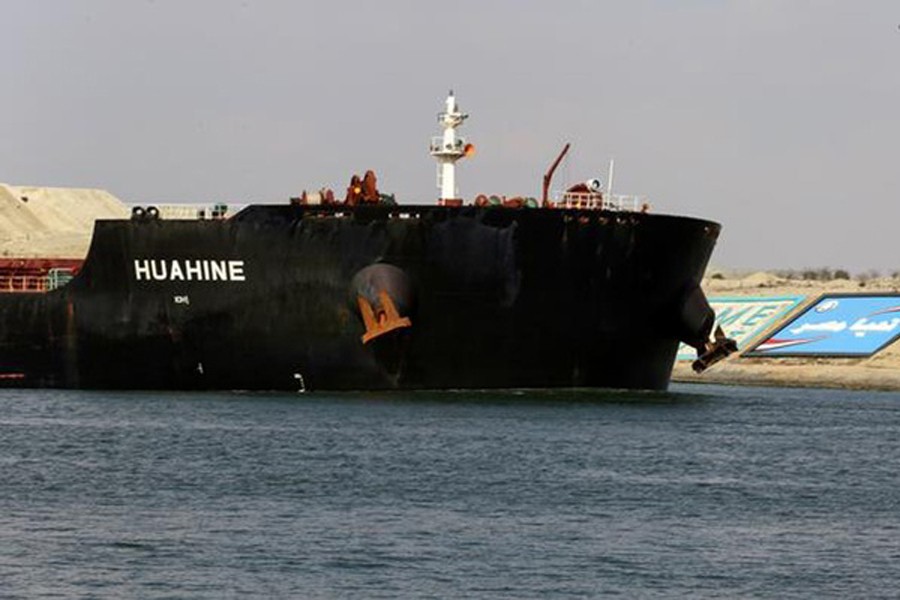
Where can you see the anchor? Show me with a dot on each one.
(714, 351)
(381, 320)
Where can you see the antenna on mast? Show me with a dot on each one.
(609, 180)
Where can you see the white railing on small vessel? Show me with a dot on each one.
(28, 282)
(23, 283)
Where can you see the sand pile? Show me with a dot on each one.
(52, 222)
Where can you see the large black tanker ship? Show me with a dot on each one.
(367, 294)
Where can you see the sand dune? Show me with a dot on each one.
(58, 222)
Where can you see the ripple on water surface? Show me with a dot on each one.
(703, 491)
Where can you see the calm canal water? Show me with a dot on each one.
(705, 491)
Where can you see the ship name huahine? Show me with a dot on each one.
(201, 269)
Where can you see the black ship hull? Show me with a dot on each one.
(369, 297)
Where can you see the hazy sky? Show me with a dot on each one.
(778, 119)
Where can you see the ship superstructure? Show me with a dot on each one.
(449, 148)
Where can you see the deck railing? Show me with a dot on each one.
(23, 283)
(194, 211)
(33, 281)
(596, 201)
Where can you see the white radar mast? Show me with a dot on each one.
(447, 149)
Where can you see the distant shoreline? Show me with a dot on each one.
(850, 377)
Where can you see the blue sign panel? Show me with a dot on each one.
(743, 318)
(837, 325)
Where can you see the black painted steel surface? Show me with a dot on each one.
(495, 297)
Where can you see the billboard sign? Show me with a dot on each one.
(744, 317)
(852, 325)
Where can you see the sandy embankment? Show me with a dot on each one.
(879, 372)
(57, 222)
